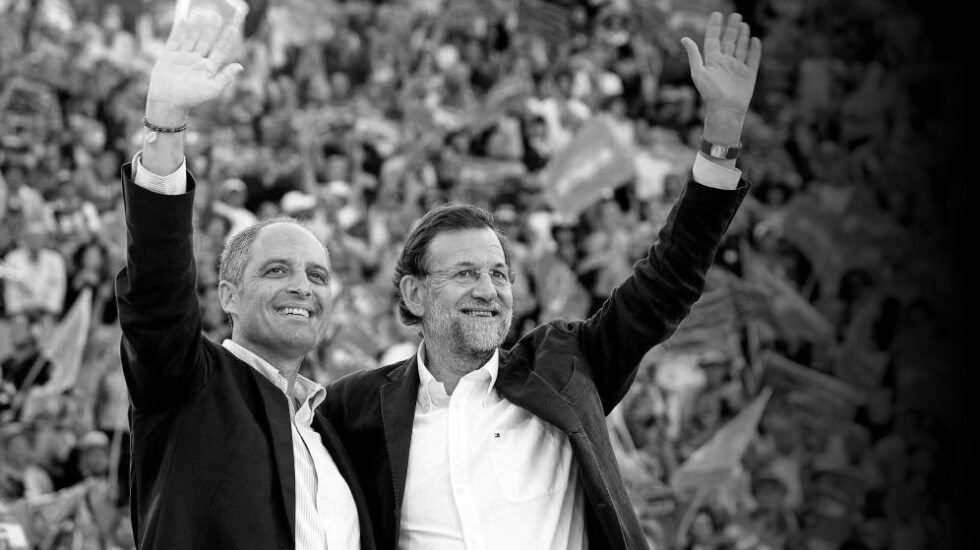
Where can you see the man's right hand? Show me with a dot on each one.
(193, 68)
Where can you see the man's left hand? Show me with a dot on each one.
(725, 77)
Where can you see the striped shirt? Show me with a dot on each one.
(326, 516)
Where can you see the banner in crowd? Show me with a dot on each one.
(838, 238)
(793, 313)
(71, 514)
(66, 342)
(713, 322)
(560, 293)
(719, 459)
(592, 165)
(821, 401)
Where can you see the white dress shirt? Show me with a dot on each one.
(485, 474)
(326, 515)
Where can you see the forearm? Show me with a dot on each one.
(646, 308)
(157, 298)
(722, 126)
(165, 153)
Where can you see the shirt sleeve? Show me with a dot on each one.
(171, 184)
(713, 175)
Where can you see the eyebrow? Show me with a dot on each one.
(467, 263)
(308, 265)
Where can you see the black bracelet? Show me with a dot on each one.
(163, 130)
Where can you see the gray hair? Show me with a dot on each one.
(238, 249)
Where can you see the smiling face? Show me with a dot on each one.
(466, 300)
(281, 308)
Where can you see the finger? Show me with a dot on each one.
(742, 44)
(179, 39)
(755, 54)
(210, 31)
(712, 34)
(194, 27)
(731, 34)
(693, 55)
(225, 46)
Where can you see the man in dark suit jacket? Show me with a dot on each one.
(229, 449)
(469, 446)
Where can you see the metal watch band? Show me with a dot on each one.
(719, 151)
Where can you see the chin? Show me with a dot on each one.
(300, 342)
(483, 341)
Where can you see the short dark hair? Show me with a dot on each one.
(238, 249)
(442, 219)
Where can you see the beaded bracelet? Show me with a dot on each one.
(162, 129)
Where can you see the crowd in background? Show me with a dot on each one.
(833, 287)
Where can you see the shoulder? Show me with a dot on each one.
(549, 344)
(365, 379)
(559, 332)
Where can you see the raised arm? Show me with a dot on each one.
(193, 69)
(646, 308)
(157, 290)
(725, 77)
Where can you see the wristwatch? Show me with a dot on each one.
(719, 151)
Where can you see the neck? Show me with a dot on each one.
(287, 366)
(447, 364)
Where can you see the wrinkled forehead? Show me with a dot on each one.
(288, 241)
(478, 247)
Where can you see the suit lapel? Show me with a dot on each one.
(280, 429)
(335, 448)
(527, 389)
(398, 398)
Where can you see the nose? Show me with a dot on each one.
(483, 288)
(300, 285)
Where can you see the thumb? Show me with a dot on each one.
(693, 54)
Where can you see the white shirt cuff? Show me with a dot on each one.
(171, 184)
(710, 174)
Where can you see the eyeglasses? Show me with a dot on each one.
(468, 276)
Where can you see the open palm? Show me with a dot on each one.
(726, 76)
(194, 68)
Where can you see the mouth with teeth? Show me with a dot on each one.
(294, 312)
(480, 312)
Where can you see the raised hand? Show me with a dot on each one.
(194, 67)
(726, 76)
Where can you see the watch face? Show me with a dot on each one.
(720, 151)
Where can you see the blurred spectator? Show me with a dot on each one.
(23, 354)
(35, 279)
(20, 475)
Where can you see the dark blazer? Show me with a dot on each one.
(212, 460)
(571, 374)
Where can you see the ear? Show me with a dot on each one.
(412, 294)
(228, 296)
